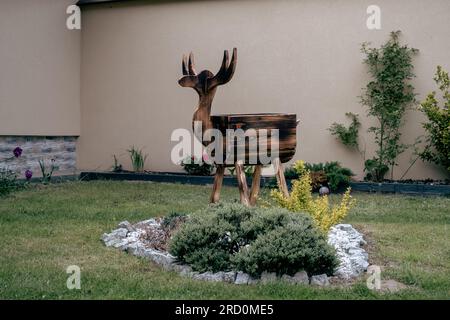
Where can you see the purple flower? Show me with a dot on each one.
(28, 174)
(17, 151)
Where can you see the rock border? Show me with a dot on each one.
(347, 241)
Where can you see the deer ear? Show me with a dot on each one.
(188, 81)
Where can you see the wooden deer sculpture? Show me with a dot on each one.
(205, 84)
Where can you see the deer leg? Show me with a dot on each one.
(255, 184)
(218, 178)
(279, 172)
(242, 182)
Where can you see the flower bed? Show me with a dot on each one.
(149, 238)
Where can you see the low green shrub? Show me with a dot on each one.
(286, 250)
(173, 220)
(9, 182)
(338, 177)
(375, 171)
(230, 236)
(331, 173)
(194, 166)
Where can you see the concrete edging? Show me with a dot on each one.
(371, 187)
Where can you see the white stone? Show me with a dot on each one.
(353, 260)
(127, 225)
(242, 278)
(121, 233)
(320, 280)
(164, 259)
(229, 276)
(209, 276)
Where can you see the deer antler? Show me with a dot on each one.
(191, 65)
(226, 70)
(188, 66)
(189, 78)
(206, 81)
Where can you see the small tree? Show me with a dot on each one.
(387, 98)
(437, 149)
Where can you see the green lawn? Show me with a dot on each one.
(45, 229)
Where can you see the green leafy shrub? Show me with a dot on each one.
(437, 149)
(290, 173)
(328, 173)
(375, 171)
(8, 178)
(9, 182)
(283, 250)
(137, 159)
(173, 220)
(347, 135)
(222, 237)
(208, 239)
(337, 176)
(196, 167)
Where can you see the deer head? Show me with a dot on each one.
(205, 84)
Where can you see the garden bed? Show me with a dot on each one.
(149, 239)
(402, 188)
(170, 177)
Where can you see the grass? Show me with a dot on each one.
(43, 230)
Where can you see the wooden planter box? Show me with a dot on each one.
(285, 123)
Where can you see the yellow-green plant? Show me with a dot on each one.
(302, 200)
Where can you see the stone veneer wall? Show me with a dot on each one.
(61, 149)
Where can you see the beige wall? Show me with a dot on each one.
(294, 56)
(39, 69)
